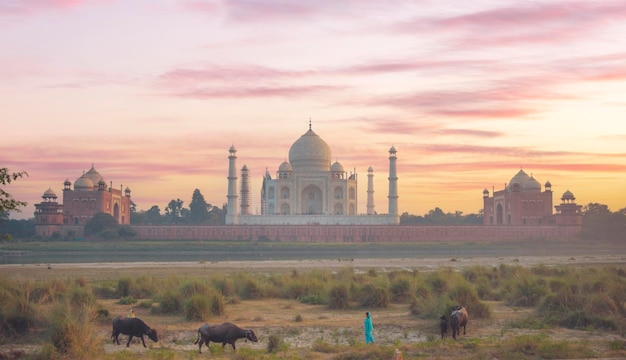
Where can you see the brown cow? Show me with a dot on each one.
(458, 318)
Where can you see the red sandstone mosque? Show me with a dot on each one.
(90, 196)
(522, 202)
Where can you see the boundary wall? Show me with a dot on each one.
(355, 233)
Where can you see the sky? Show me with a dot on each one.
(154, 92)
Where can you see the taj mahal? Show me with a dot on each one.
(308, 190)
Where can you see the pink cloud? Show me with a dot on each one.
(522, 23)
(250, 92)
(36, 6)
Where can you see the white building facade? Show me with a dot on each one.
(308, 189)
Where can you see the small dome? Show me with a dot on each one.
(232, 148)
(310, 153)
(127, 190)
(520, 178)
(568, 195)
(485, 192)
(531, 184)
(285, 167)
(548, 184)
(392, 150)
(67, 182)
(94, 176)
(49, 193)
(370, 169)
(83, 183)
(336, 167)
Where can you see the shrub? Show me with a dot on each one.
(170, 303)
(109, 234)
(376, 296)
(250, 290)
(338, 297)
(72, 332)
(526, 292)
(314, 299)
(197, 308)
(400, 290)
(193, 287)
(123, 287)
(274, 343)
(127, 300)
(217, 304)
(80, 296)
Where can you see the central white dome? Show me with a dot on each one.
(310, 154)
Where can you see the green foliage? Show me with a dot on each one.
(126, 232)
(197, 308)
(7, 202)
(170, 302)
(108, 234)
(99, 223)
(79, 296)
(525, 291)
(127, 300)
(198, 208)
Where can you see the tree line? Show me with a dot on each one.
(199, 212)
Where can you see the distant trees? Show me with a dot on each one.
(99, 223)
(436, 216)
(599, 223)
(199, 213)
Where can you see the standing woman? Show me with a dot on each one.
(368, 327)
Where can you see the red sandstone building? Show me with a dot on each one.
(90, 196)
(522, 202)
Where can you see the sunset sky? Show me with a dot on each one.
(154, 92)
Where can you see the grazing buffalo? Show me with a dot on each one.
(132, 327)
(458, 318)
(443, 326)
(225, 333)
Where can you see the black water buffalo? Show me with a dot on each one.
(225, 333)
(443, 326)
(458, 318)
(132, 327)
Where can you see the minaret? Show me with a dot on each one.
(245, 191)
(370, 191)
(231, 208)
(393, 186)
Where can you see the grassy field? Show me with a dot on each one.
(531, 300)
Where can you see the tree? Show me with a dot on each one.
(600, 223)
(174, 212)
(7, 202)
(99, 223)
(198, 208)
(153, 216)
